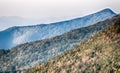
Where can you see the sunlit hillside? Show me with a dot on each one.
(99, 54)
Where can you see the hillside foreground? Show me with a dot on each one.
(99, 54)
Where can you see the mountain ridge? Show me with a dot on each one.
(104, 10)
(19, 35)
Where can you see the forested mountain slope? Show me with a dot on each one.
(29, 55)
(98, 54)
(14, 36)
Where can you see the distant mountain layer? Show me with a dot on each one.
(99, 54)
(29, 55)
(19, 35)
(10, 21)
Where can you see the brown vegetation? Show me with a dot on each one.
(99, 54)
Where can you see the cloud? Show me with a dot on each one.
(21, 37)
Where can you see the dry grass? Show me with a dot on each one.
(99, 54)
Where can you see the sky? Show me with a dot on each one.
(55, 8)
(32, 12)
